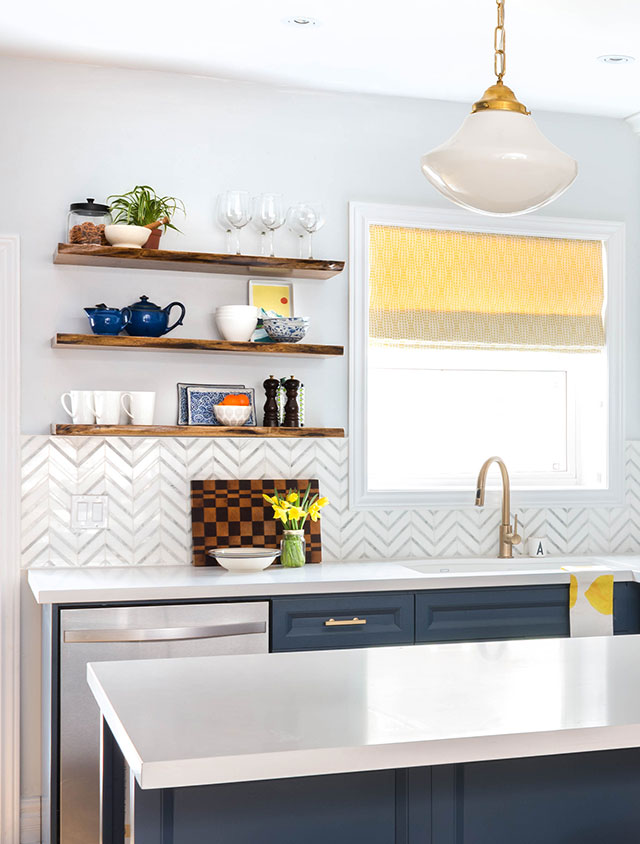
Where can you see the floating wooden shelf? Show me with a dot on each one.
(181, 344)
(189, 431)
(195, 262)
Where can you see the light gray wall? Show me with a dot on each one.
(73, 131)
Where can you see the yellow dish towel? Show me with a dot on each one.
(591, 604)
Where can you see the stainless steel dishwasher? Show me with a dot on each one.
(121, 633)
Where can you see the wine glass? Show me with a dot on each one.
(234, 212)
(268, 215)
(306, 217)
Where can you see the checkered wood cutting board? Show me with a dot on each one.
(232, 513)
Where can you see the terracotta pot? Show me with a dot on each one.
(154, 239)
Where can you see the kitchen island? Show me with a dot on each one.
(501, 742)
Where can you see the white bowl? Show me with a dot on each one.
(244, 559)
(232, 414)
(237, 327)
(132, 237)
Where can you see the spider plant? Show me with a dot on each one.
(142, 206)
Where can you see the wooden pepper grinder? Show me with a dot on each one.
(270, 406)
(291, 409)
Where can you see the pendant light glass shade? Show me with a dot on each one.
(499, 163)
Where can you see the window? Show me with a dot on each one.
(472, 337)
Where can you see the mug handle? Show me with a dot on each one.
(96, 405)
(71, 412)
(182, 315)
(124, 407)
(126, 316)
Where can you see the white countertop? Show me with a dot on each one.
(161, 583)
(202, 720)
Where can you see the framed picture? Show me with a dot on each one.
(272, 296)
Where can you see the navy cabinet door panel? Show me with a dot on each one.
(457, 615)
(300, 624)
(626, 607)
(357, 808)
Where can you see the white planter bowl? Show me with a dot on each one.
(244, 559)
(237, 323)
(132, 237)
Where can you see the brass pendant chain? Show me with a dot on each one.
(499, 59)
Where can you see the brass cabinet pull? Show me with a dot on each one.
(347, 622)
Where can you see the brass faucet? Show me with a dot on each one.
(508, 535)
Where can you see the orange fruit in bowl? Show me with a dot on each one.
(236, 400)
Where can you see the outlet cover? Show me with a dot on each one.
(89, 512)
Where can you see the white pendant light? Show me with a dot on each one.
(499, 162)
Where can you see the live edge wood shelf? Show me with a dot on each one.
(172, 344)
(190, 431)
(195, 262)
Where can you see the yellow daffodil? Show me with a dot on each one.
(314, 512)
(292, 498)
(282, 502)
(322, 502)
(279, 513)
(296, 513)
(270, 499)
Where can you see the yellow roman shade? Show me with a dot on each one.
(466, 289)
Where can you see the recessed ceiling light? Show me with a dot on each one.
(614, 58)
(302, 21)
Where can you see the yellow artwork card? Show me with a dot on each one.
(272, 297)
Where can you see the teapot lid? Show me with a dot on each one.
(145, 305)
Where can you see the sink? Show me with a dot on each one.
(516, 565)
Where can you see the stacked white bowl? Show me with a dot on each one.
(236, 323)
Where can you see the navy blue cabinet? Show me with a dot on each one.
(581, 798)
(522, 612)
(342, 621)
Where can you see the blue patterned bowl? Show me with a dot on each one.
(286, 329)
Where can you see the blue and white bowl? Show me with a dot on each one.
(286, 329)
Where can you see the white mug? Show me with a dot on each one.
(141, 407)
(81, 409)
(106, 405)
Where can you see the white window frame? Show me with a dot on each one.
(364, 215)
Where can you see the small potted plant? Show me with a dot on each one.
(138, 217)
(293, 511)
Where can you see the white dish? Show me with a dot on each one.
(244, 559)
(232, 415)
(132, 237)
(237, 323)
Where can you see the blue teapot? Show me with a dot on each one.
(104, 320)
(149, 320)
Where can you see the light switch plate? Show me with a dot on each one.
(89, 512)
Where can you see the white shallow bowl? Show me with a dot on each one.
(132, 237)
(244, 559)
(232, 414)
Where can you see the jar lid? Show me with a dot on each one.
(90, 207)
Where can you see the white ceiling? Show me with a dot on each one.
(417, 48)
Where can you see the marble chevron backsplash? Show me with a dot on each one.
(147, 482)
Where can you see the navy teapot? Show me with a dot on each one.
(149, 320)
(104, 320)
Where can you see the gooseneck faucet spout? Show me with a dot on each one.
(508, 534)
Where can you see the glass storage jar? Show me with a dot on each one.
(86, 222)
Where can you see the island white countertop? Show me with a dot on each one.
(62, 585)
(193, 721)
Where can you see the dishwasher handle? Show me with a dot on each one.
(164, 634)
